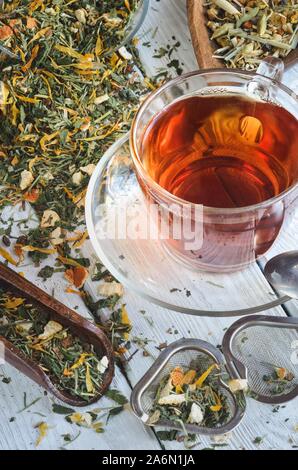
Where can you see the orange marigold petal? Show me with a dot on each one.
(31, 22)
(5, 32)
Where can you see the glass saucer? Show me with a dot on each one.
(136, 21)
(145, 267)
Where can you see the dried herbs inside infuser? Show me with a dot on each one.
(191, 396)
(280, 381)
(72, 365)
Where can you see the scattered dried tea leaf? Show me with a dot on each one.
(61, 410)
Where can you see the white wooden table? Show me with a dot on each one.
(166, 20)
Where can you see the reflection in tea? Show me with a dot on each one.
(225, 152)
(222, 151)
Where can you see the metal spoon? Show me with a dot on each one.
(282, 273)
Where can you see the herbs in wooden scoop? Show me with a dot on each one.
(71, 364)
(247, 31)
(191, 396)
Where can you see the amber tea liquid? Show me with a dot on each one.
(225, 152)
(222, 152)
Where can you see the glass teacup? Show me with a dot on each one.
(248, 220)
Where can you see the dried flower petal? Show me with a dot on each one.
(26, 179)
(49, 219)
(82, 419)
(202, 379)
(89, 169)
(103, 365)
(4, 253)
(77, 178)
(166, 389)
(43, 429)
(238, 385)
(51, 329)
(107, 289)
(89, 384)
(154, 418)
(13, 303)
(196, 415)
(172, 400)
(56, 237)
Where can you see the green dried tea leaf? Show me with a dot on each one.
(116, 396)
(61, 410)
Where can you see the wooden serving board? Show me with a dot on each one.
(203, 47)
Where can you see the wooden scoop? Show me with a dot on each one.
(87, 331)
(202, 44)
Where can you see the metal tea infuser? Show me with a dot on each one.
(243, 356)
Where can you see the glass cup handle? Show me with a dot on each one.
(261, 86)
(271, 67)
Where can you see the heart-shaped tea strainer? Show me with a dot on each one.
(182, 353)
(260, 350)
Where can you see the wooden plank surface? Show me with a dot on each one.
(167, 23)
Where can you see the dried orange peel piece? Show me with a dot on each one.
(187, 379)
(77, 276)
(32, 196)
(177, 375)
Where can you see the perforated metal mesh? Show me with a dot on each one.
(262, 349)
(184, 360)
